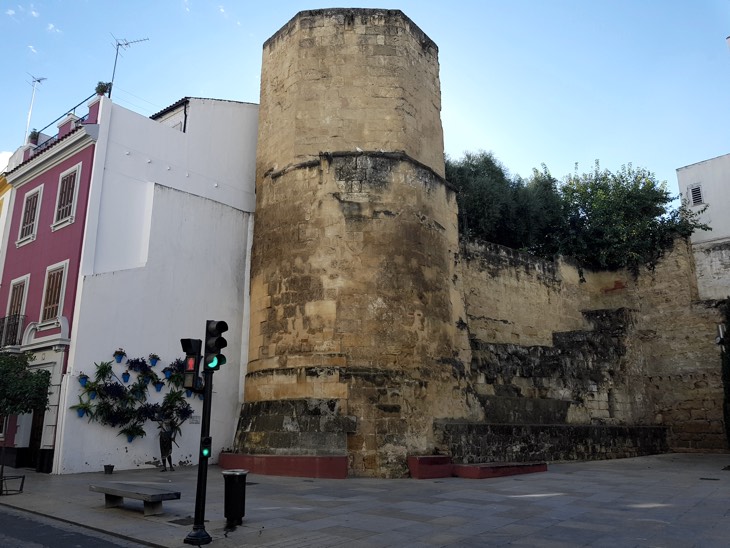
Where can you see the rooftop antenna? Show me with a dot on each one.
(36, 81)
(124, 44)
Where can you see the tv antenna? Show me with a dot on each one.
(124, 44)
(36, 80)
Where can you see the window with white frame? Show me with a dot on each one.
(3, 426)
(12, 324)
(16, 304)
(694, 194)
(53, 291)
(66, 198)
(29, 216)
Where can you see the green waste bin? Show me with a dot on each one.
(234, 482)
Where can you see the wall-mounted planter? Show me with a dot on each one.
(188, 393)
(168, 374)
(159, 385)
(83, 379)
(92, 394)
(153, 361)
(118, 358)
(81, 412)
(125, 377)
(130, 439)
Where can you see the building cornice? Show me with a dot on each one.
(52, 157)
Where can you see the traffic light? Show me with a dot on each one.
(214, 342)
(206, 445)
(191, 347)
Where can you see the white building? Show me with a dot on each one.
(706, 186)
(166, 245)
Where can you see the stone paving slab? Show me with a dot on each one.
(669, 500)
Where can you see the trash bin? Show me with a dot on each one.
(234, 496)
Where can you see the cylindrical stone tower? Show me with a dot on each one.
(356, 343)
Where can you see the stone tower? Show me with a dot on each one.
(355, 343)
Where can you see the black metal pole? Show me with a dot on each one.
(199, 535)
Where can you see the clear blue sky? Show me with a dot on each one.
(534, 81)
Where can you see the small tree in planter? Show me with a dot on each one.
(102, 88)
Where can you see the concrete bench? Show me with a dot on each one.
(152, 496)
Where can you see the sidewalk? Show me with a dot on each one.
(675, 500)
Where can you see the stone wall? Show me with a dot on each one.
(613, 350)
(712, 264)
(372, 327)
(343, 79)
(479, 443)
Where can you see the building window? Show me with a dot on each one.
(66, 198)
(17, 298)
(29, 220)
(695, 195)
(11, 326)
(3, 426)
(53, 292)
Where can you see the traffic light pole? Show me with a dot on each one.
(199, 535)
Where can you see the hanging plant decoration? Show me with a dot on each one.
(124, 406)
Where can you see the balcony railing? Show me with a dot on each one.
(11, 330)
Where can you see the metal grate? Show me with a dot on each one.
(696, 195)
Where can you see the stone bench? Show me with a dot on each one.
(152, 496)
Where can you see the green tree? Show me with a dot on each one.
(485, 197)
(510, 211)
(21, 390)
(620, 220)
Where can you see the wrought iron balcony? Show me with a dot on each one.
(11, 330)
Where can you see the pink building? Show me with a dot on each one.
(44, 241)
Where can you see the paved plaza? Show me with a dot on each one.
(674, 500)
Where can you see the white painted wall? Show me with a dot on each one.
(711, 248)
(714, 176)
(166, 248)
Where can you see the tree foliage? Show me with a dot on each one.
(21, 389)
(601, 219)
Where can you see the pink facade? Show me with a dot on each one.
(49, 246)
(41, 269)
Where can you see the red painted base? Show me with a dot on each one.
(303, 466)
(430, 466)
(497, 469)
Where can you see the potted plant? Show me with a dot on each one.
(132, 431)
(139, 365)
(154, 358)
(102, 87)
(119, 353)
(175, 373)
(83, 378)
(83, 408)
(33, 137)
(158, 385)
(125, 375)
(91, 389)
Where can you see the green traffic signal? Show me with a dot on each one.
(214, 343)
(205, 447)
